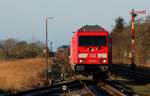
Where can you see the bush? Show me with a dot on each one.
(14, 49)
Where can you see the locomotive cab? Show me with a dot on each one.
(92, 53)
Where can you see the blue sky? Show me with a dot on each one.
(25, 19)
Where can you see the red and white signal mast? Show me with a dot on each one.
(134, 14)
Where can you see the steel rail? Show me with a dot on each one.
(51, 90)
(137, 76)
(85, 86)
(122, 88)
(116, 89)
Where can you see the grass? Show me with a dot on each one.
(21, 74)
(143, 90)
(140, 89)
(147, 65)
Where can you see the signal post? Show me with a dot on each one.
(133, 15)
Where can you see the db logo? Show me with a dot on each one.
(93, 55)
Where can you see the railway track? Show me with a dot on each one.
(126, 91)
(115, 88)
(136, 75)
(108, 88)
(53, 90)
(92, 88)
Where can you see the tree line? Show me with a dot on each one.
(15, 49)
(121, 39)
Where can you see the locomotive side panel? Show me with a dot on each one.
(75, 48)
(74, 51)
(71, 51)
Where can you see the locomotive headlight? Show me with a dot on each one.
(102, 55)
(80, 61)
(104, 61)
(83, 55)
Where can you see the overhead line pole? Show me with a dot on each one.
(46, 47)
(46, 52)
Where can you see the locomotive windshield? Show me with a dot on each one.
(92, 41)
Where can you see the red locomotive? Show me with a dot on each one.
(89, 51)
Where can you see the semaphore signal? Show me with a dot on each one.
(133, 15)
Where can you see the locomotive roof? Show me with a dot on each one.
(91, 28)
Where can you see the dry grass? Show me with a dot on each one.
(147, 65)
(21, 74)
